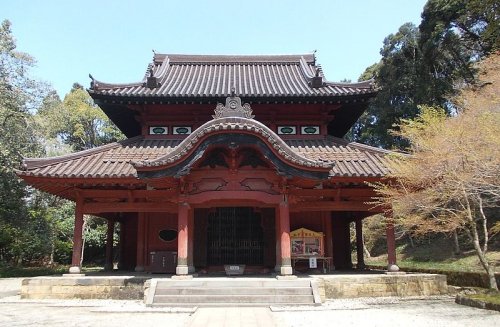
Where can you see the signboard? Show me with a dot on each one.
(313, 263)
(234, 269)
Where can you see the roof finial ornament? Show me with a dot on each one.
(317, 80)
(93, 82)
(233, 108)
(152, 80)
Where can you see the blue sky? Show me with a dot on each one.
(114, 39)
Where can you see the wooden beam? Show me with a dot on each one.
(243, 196)
(334, 206)
(129, 193)
(93, 208)
(341, 192)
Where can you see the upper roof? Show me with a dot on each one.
(213, 76)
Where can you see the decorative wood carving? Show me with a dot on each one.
(208, 184)
(258, 184)
(233, 108)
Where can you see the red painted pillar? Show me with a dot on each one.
(327, 226)
(121, 246)
(182, 239)
(359, 244)
(76, 259)
(108, 266)
(190, 241)
(284, 231)
(277, 267)
(391, 244)
(140, 242)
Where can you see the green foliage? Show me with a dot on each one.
(77, 121)
(8, 272)
(451, 181)
(398, 76)
(427, 65)
(461, 28)
(22, 235)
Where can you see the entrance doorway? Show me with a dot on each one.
(235, 236)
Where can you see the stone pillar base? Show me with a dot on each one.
(181, 270)
(392, 268)
(286, 270)
(139, 269)
(75, 270)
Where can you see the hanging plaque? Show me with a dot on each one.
(313, 263)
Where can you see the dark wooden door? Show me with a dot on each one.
(234, 236)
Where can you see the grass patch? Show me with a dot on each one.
(6, 272)
(467, 262)
(487, 297)
(9, 272)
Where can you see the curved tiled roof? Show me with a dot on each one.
(114, 160)
(350, 159)
(235, 125)
(198, 76)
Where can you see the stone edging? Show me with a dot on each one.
(464, 300)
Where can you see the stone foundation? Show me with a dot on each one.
(118, 288)
(352, 286)
(328, 286)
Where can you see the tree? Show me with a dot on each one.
(427, 65)
(79, 124)
(20, 235)
(451, 180)
(461, 28)
(399, 79)
(77, 120)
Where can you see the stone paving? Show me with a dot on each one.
(428, 311)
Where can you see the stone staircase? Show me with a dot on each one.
(231, 292)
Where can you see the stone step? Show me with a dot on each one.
(228, 304)
(231, 283)
(234, 291)
(247, 299)
(231, 291)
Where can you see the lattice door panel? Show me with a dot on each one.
(235, 237)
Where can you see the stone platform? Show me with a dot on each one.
(381, 285)
(331, 286)
(84, 287)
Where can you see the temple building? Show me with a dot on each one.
(229, 161)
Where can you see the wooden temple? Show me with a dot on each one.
(224, 157)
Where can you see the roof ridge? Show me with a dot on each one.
(231, 58)
(368, 83)
(31, 163)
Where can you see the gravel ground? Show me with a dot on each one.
(429, 311)
(415, 312)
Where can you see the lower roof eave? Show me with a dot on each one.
(134, 99)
